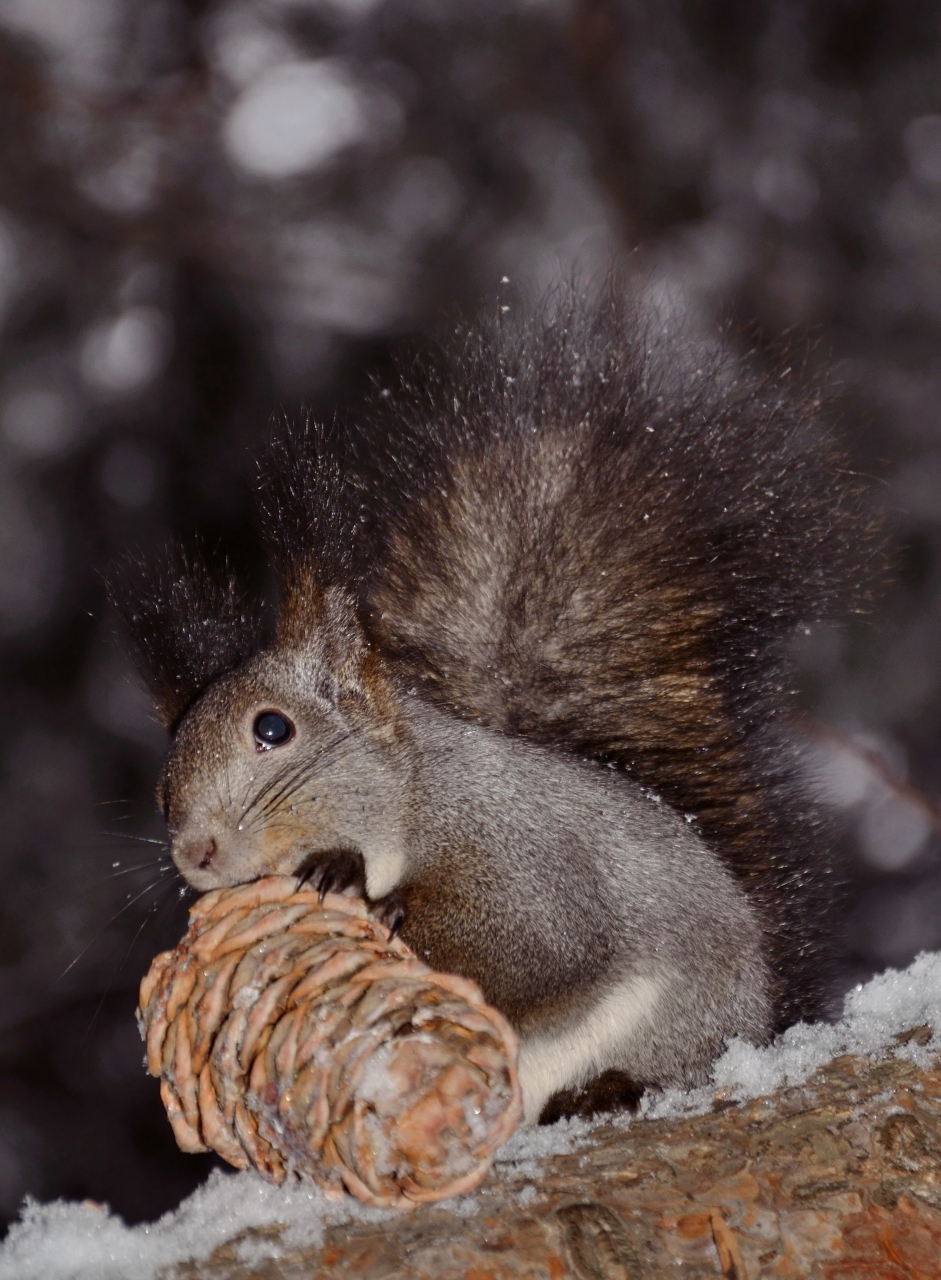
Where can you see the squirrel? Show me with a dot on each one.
(526, 687)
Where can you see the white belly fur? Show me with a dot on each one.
(570, 1057)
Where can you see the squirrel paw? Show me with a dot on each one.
(391, 911)
(333, 871)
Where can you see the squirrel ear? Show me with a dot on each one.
(326, 623)
(187, 624)
(319, 529)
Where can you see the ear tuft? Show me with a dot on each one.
(187, 623)
(314, 519)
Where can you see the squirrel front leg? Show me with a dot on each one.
(333, 871)
(337, 870)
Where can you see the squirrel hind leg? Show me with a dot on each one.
(612, 1091)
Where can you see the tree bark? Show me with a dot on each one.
(836, 1179)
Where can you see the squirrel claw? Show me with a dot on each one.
(391, 912)
(333, 871)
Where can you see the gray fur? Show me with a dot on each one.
(558, 908)
(587, 910)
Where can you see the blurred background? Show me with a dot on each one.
(210, 209)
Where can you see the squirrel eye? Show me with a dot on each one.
(271, 729)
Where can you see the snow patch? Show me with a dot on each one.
(63, 1241)
(522, 1156)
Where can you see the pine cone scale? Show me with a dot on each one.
(217, 1133)
(212, 1008)
(209, 942)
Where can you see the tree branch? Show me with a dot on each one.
(835, 1179)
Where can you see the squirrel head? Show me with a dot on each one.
(294, 751)
(286, 749)
(293, 755)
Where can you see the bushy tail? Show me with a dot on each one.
(601, 537)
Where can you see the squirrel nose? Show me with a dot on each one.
(199, 854)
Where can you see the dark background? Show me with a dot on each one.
(211, 209)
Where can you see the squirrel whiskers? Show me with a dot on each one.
(527, 683)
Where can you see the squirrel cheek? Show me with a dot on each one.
(278, 848)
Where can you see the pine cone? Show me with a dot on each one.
(303, 1039)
